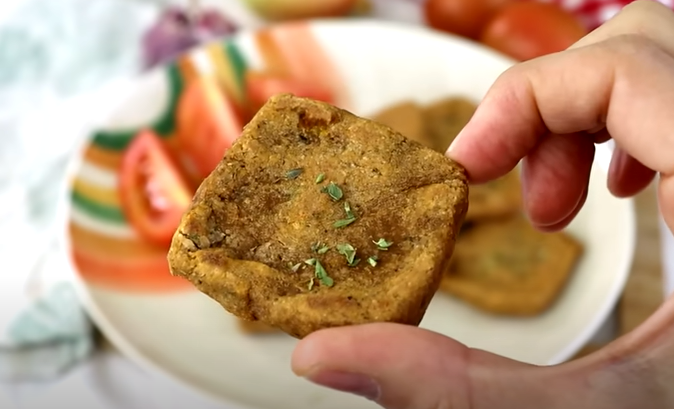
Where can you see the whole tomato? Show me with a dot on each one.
(462, 17)
(526, 30)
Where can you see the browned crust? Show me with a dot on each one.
(508, 267)
(499, 198)
(247, 224)
(256, 328)
(445, 118)
(407, 118)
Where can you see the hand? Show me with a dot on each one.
(617, 82)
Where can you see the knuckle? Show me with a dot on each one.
(636, 48)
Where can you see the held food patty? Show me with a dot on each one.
(317, 218)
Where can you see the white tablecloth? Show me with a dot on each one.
(106, 381)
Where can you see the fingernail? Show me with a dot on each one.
(615, 167)
(452, 145)
(357, 384)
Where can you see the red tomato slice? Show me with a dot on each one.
(262, 86)
(462, 17)
(208, 124)
(153, 192)
(531, 29)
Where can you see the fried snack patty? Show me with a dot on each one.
(406, 118)
(495, 199)
(255, 327)
(508, 267)
(264, 211)
(445, 119)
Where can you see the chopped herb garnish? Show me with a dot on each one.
(333, 191)
(311, 261)
(320, 178)
(296, 267)
(373, 260)
(349, 213)
(355, 263)
(350, 217)
(382, 244)
(349, 252)
(311, 283)
(294, 173)
(322, 275)
(342, 223)
(320, 248)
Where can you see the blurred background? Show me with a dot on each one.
(56, 56)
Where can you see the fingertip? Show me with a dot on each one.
(627, 176)
(555, 177)
(308, 353)
(564, 222)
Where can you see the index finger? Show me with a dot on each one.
(623, 83)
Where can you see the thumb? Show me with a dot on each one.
(403, 367)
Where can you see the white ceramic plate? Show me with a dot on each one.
(188, 336)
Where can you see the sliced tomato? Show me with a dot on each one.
(462, 17)
(208, 124)
(154, 194)
(526, 30)
(262, 86)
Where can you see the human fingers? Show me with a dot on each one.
(547, 205)
(627, 176)
(404, 367)
(625, 84)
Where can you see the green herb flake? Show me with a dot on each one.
(322, 275)
(296, 267)
(382, 244)
(311, 261)
(320, 178)
(334, 191)
(349, 212)
(349, 252)
(343, 223)
(294, 173)
(355, 263)
(320, 248)
(311, 284)
(373, 260)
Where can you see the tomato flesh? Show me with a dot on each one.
(261, 86)
(528, 30)
(154, 194)
(208, 124)
(461, 17)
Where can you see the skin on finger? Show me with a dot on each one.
(600, 136)
(394, 354)
(572, 156)
(647, 20)
(621, 83)
(646, 17)
(416, 368)
(627, 176)
(568, 219)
